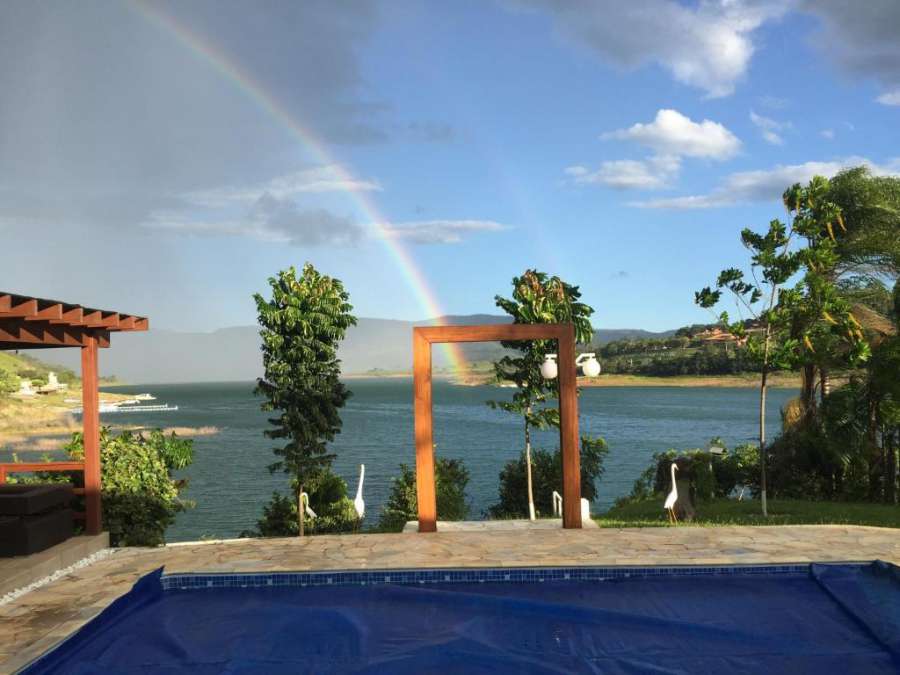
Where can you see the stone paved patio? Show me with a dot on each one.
(38, 620)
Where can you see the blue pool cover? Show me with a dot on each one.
(812, 619)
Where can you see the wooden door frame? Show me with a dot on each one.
(425, 336)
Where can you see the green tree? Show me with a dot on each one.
(869, 243)
(809, 325)
(772, 265)
(140, 495)
(301, 325)
(450, 477)
(537, 298)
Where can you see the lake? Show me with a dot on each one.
(230, 482)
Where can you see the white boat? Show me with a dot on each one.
(119, 408)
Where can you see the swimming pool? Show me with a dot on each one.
(773, 619)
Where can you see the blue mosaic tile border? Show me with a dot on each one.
(181, 582)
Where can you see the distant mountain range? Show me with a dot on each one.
(232, 354)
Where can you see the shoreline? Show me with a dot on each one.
(788, 381)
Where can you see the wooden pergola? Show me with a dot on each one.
(564, 334)
(38, 323)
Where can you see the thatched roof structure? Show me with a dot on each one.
(872, 321)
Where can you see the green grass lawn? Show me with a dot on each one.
(650, 513)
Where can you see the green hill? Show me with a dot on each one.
(18, 365)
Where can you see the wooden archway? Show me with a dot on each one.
(425, 336)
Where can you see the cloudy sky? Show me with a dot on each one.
(165, 158)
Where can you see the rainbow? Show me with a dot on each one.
(233, 73)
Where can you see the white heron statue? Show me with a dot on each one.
(585, 510)
(358, 503)
(304, 500)
(672, 497)
(557, 504)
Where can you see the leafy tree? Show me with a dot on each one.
(140, 495)
(537, 298)
(547, 477)
(870, 205)
(773, 264)
(810, 325)
(450, 477)
(302, 324)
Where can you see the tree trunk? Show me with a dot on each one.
(876, 458)
(300, 511)
(762, 423)
(808, 390)
(531, 514)
(891, 473)
(825, 381)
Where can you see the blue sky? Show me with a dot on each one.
(620, 145)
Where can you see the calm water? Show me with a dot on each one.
(230, 482)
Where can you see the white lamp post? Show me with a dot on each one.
(549, 369)
(590, 366)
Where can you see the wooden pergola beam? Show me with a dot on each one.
(564, 335)
(53, 313)
(48, 313)
(73, 316)
(24, 334)
(23, 308)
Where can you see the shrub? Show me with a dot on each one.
(9, 383)
(139, 495)
(450, 478)
(546, 475)
(710, 476)
(334, 511)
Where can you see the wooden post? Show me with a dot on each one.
(568, 428)
(90, 397)
(425, 493)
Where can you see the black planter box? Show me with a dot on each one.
(25, 535)
(25, 500)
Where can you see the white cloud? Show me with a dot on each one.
(890, 97)
(320, 179)
(707, 45)
(767, 184)
(674, 134)
(629, 174)
(827, 134)
(769, 128)
(437, 231)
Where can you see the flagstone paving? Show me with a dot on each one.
(41, 618)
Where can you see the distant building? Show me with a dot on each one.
(720, 335)
(53, 385)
